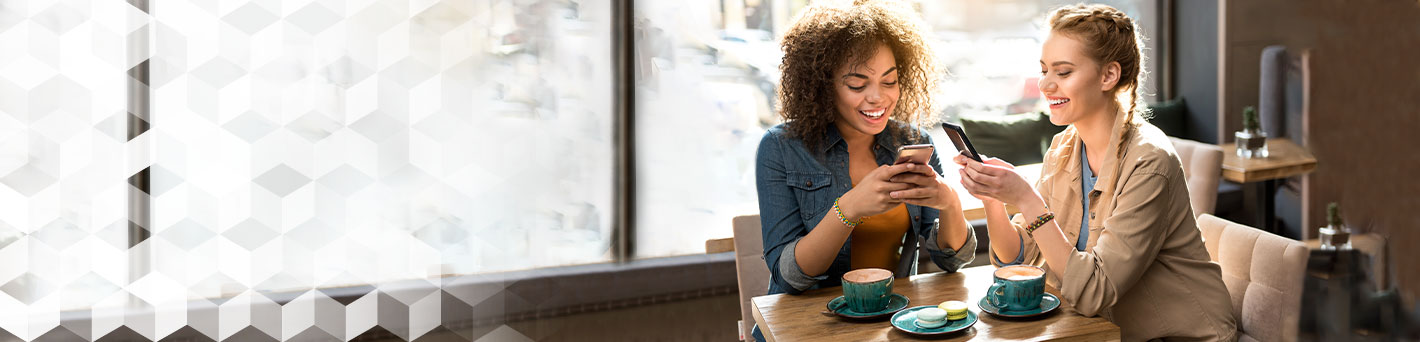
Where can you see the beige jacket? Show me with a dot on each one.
(1145, 267)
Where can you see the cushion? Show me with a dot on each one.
(1023, 138)
(1016, 138)
(1202, 169)
(1170, 117)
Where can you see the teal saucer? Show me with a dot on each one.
(1048, 303)
(906, 321)
(839, 306)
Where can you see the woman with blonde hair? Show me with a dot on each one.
(1109, 218)
(855, 87)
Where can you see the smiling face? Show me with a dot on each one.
(1076, 86)
(866, 94)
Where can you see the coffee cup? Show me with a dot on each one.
(868, 289)
(1017, 288)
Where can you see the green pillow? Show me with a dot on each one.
(1023, 138)
(1169, 116)
(1016, 138)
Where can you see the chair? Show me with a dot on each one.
(750, 268)
(1283, 108)
(1264, 275)
(1202, 168)
(1373, 246)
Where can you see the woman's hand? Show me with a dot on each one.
(871, 195)
(994, 180)
(927, 190)
(987, 201)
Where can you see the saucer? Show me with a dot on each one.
(839, 306)
(906, 321)
(1048, 303)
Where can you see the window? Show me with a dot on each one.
(704, 97)
(992, 51)
(287, 146)
(362, 145)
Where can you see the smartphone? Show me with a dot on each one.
(916, 154)
(959, 139)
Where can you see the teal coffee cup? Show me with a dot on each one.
(1017, 288)
(867, 290)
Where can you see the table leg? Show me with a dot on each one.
(1260, 200)
(1269, 206)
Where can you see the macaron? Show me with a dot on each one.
(931, 318)
(956, 310)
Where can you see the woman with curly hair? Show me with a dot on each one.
(1110, 216)
(856, 84)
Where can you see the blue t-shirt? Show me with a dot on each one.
(1087, 185)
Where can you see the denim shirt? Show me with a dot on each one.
(797, 188)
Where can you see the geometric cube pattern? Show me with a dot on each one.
(63, 165)
(223, 169)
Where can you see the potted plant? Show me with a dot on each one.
(1251, 140)
(1334, 235)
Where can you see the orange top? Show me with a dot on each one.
(877, 242)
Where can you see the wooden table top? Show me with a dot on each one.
(802, 317)
(1284, 159)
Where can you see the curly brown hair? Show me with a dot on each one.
(830, 34)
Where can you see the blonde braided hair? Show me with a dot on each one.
(1110, 36)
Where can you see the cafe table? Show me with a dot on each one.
(804, 317)
(1284, 159)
